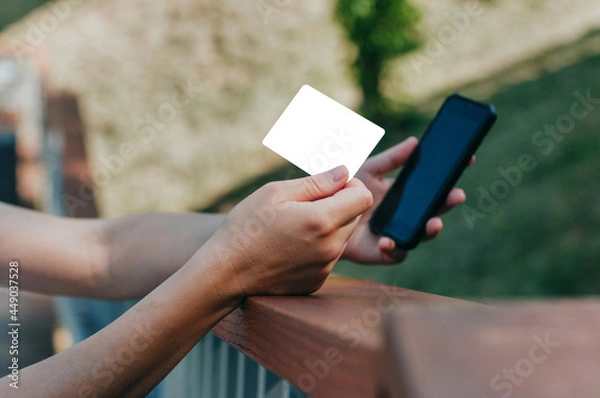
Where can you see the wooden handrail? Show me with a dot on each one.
(327, 344)
(522, 349)
(361, 339)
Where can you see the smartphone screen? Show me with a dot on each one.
(432, 170)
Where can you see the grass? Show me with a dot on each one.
(539, 240)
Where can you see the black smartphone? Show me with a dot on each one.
(421, 188)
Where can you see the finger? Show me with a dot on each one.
(455, 197)
(345, 205)
(392, 158)
(433, 228)
(344, 232)
(390, 254)
(316, 187)
(386, 244)
(473, 158)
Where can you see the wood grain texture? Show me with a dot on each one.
(326, 344)
(547, 350)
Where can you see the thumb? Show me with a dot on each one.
(319, 186)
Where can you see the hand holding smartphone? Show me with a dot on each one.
(421, 188)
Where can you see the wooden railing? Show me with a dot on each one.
(352, 338)
(327, 344)
(519, 349)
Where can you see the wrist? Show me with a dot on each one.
(219, 266)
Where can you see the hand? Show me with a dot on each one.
(367, 248)
(286, 236)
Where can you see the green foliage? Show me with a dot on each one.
(13, 10)
(541, 239)
(381, 30)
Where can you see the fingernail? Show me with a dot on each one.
(337, 174)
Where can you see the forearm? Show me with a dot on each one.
(55, 255)
(130, 356)
(144, 250)
(304, 226)
(125, 257)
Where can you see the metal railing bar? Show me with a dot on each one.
(285, 390)
(262, 380)
(223, 362)
(239, 382)
(207, 364)
(194, 369)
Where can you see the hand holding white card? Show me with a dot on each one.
(317, 134)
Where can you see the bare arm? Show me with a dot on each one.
(56, 255)
(131, 355)
(125, 257)
(144, 250)
(311, 219)
(128, 256)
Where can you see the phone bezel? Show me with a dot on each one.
(464, 106)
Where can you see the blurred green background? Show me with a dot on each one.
(535, 232)
(13, 10)
(541, 239)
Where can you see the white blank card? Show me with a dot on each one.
(317, 134)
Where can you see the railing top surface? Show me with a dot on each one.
(359, 338)
(340, 300)
(336, 330)
(539, 349)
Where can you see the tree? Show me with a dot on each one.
(381, 31)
